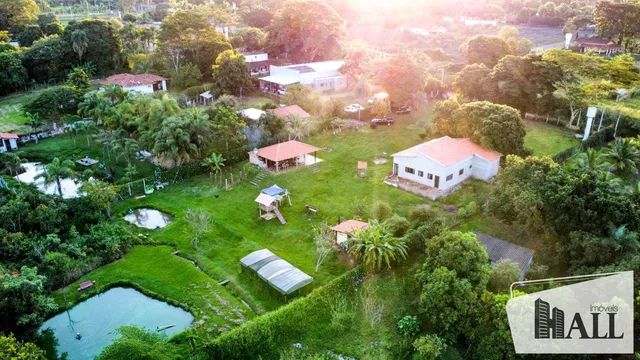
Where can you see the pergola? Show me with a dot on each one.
(282, 155)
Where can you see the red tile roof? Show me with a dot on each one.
(286, 150)
(8, 136)
(597, 42)
(129, 80)
(349, 226)
(291, 110)
(448, 151)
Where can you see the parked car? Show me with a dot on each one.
(403, 110)
(353, 108)
(382, 121)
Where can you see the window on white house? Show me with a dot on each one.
(449, 177)
(430, 176)
(461, 172)
(420, 173)
(409, 170)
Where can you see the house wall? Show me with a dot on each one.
(341, 237)
(143, 89)
(256, 57)
(473, 166)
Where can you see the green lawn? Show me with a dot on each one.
(159, 273)
(545, 139)
(12, 118)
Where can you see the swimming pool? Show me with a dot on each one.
(98, 318)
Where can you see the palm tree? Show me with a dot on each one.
(199, 126)
(297, 127)
(172, 141)
(86, 127)
(56, 170)
(623, 157)
(79, 42)
(11, 163)
(214, 162)
(592, 159)
(126, 147)
(374, 246)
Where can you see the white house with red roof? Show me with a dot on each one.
(141, 83)
(8, 142)
(445, 162)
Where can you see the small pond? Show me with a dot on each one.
(98, 318)
(148, 218)
(70, 187)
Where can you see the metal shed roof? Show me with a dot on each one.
(278, 273)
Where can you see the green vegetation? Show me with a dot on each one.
(156, 271)
(547, 140)
(12, 118)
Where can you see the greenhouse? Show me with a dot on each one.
(278, 273)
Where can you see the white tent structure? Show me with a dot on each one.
(278, 273)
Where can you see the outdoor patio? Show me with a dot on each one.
(417, 188)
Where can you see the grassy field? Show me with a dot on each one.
(12, 118)
(544, 139)
(159, 273)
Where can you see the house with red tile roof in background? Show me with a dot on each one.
(8, 142)
(599, 45)
(287, 112)
(442, 164)
(141, 83)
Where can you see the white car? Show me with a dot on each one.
(353, 108)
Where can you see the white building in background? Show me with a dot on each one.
(257, 62)
(323, 76)
(141, 83)
(8, 142)
(445, 162)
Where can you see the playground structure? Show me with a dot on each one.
(269, 200)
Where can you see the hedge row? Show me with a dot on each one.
(266, 335)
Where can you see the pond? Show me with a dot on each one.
(98, 318)
(148, 218)
(70, 188)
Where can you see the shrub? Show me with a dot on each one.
(381, 211)
(429, 347)
(467, 211)
(398, 225)
(503, 274)
(408, 326)
(421, 214)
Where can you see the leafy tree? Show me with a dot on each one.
(401, 76)
(305, 31)
(446, 301)
(54, 102)
(494, 126)
(55, 171)
(303, 96)
(12, 74)
(484, 49)
(11, 163)
(230, 74)
(199, 222)
(186, 76)
(79, 79)
(429, 347)
(11, 348)
(511, 36)
(409, 326)
(381, 211)
(46, 59)
(490, 336)
(618, 20)
(375, 247)
(139, 344)
(460, 252)
(381, 108)
(471, 81)
(173, 141)
(525, 83)
(228, 128)
(503, 274)
(49, 24)
(23, 301)
(16, 14)
(29, 34)
(101, 194)
(103, 46)
(256, 15)
(34, 122)
(249, 39)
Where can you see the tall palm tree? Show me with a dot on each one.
(623, 157)
(55, 171)
(374, 246)
(79, 42)
(199, 126)
(214, 162)
(173, 141)
(297, 127)
(11, 163)
(126, 147)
